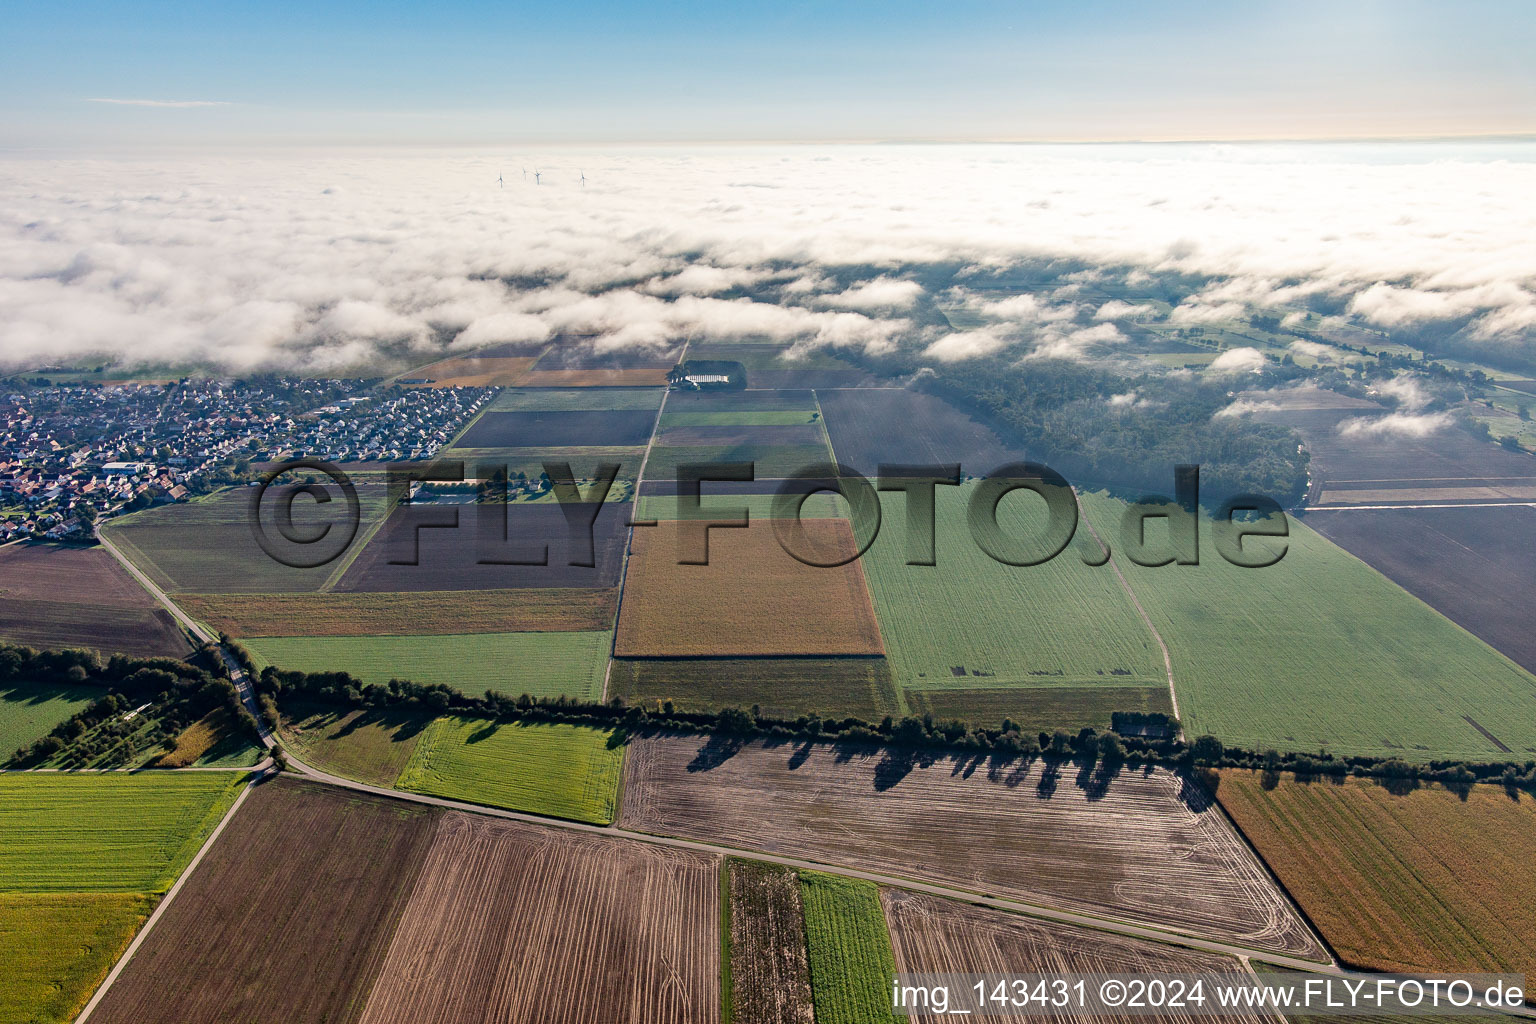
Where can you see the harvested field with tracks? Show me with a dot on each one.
(1135, 845)
(1426, 880)
(425, 613)
(751, 599)
(516, 923)
(770, 975)
(64, 595)
(286, 918)
(935, 936)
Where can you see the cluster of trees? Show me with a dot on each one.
(1150, 738)
(179, 693)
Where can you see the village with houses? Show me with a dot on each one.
(73, 454)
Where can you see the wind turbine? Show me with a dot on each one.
(583, 178)
(499, 181)
(525, 174)
(536, 176)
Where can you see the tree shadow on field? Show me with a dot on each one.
(896, 764)
(1193, 792)
(801, 755)
(483, 733)
(966, 764)
(716, 750)
(401, 725)
(1050, 777)
(1094, 780)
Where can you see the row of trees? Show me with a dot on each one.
(1150, 739)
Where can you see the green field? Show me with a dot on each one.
(772, 461)
(850, 950)
(538, 664)
(1041, 708)
(1058, 624)
(106, 833)
(56, 949)
(1321, 651)
(207, 546)
(564, 771)
(370, 745)
(29, 711)
(781, 687)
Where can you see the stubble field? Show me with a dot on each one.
(517, 923)
(1426, 880)
(1144, 846)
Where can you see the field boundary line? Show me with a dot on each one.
(154, 590)
(1125, 585)
(138, 940)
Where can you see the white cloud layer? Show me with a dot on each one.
(1396, 424)
(316, 262)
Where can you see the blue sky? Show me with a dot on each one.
(483, 73)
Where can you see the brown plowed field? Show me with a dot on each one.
(458, 558)
(59, 595)
(934, 936)
(770, 972)
(427, 613)
(513, 922)
(751, 599)
(286, 918)
(1144, 846)
(638, 377)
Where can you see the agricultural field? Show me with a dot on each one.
(970, 622)
(898, 426)
(64, 595)
(425, 613)
(1039, 708)
(935, 936)
(29, 711)
(286, 918)
(576, 399)
(1463, 562)
(618, 428)
(623, 377)
(752, 598)
(206, 546)
(781, 687)
(369, 745)
(106, 833)
(740, 418)
(538, 664)
(1133, 845)
(529, 925)
(55, 949)
(729, 434)
(473, 547)
(849, 950)
(564, 771)
(1422, 880)
(715, 505)
(1319, 651)
(751, 400)
(770, 461)
(770, 970)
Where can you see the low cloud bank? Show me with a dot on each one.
(317, 263)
